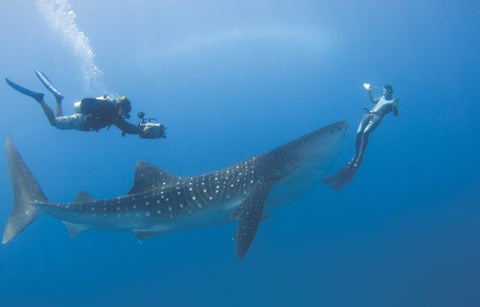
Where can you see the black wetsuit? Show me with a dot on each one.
(104, 113)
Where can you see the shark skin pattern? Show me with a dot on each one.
(160, 202)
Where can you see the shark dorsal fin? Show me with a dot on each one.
(83, 196)
(148, 176)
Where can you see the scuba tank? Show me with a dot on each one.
(93, 105)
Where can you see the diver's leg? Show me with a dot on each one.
(344, 175)
(358, 142)
(59, 111)
(359, 159)
(75, 121)
(48, 112)
(372, 125)
(360, 131)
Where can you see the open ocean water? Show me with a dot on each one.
(232, 79)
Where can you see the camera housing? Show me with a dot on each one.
(151, 128)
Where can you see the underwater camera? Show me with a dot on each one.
(151, 128)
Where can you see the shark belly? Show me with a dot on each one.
(153, 212)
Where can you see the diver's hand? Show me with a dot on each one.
(367, 86)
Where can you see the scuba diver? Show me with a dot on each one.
(370, 121)
(93, 114)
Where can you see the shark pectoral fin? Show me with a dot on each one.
(148, 176)
(75, 229)
(83, 196)
(145, 234)
(249, 215)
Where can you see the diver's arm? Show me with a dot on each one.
(372, 98)
(395, 107)
(127, 128)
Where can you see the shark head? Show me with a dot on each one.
(312, 154)
(300, 164)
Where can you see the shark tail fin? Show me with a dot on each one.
(26, 192)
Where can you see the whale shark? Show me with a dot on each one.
(159, 202)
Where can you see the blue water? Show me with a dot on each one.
(232, 79)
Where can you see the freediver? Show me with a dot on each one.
(384, 105)
(92, 114)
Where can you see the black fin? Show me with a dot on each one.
(49, 85)
(26, 192)
(25, 91)
(249, 215)
(342, 177)
(83, 196)
(148, 176)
